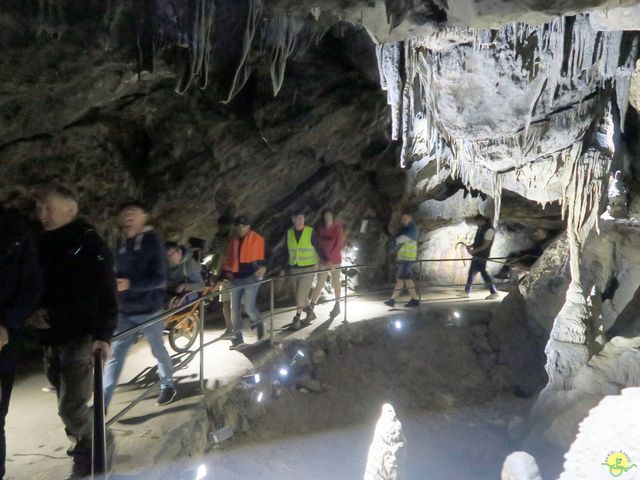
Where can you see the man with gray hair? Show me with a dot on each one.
(78, 313)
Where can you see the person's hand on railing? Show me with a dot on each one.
(104, 347)
(39, 320)
(260, 272)
(4, 337)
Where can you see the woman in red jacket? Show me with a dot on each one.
(330, 237)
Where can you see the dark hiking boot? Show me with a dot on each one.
(260, 331)
(81, 466)
(296, 322)
(390, 303)
(412, 303)
(237, 343)
(335, 311)
(167, 395)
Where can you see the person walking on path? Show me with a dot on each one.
(20, 290)
(219, 248)
(406, 247)
(481, 251)
(78, 314)
(331, 241)
(142, 279)
(304, 254)
(244, 263)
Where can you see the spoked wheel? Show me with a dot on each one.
(183, 334)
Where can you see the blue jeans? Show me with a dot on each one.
(119, 349)
(245, 295)
(481, 268)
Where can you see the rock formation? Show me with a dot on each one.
(388, 448)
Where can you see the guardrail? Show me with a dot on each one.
(99, 411)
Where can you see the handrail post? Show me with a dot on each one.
(99, 457)
(419, 284)
(271, 310)
(346, 293)
(201, 348)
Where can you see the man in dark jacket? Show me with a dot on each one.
(78, 313)
(481, 251)
(20, 289)
(142, 282)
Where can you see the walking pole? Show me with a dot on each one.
(201, 328)
(99, 462)
(346, 293)
(271, 313)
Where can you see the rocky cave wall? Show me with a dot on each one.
(174, 102)
(78, 113)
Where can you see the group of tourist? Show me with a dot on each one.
(66, 283)
(71, 287)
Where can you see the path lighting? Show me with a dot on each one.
(456, 314)
(256, 378)
(284, 371)
(397, 324)
(202, 472)
(259, 396)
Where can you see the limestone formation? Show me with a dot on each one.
(388, 448)
(520, 466)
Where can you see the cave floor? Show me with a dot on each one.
(35, 437)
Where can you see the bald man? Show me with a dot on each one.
(78, 313)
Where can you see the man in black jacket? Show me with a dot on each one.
(78, 315)
(142, 281)
(20, 289)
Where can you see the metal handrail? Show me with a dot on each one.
(99, 415)
(99, 444)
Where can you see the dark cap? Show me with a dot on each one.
(134, 203)
(242, 220)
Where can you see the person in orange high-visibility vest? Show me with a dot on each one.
(244, 263)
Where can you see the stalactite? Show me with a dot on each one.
(242, 71)
(200, 47)
(285, 28)
(389, 57)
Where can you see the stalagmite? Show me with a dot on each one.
(388, 449)
(520, 466)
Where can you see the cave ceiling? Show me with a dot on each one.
(500, 94)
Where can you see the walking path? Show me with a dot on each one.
(36, 441)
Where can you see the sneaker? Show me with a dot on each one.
(335, 311)
(310, 315)
(166, 396)
(464, 295)
(391, 302)
(227, 334)
(296, 322)
(236, 343)
(48, 389)
(412, 303)
(493, 296)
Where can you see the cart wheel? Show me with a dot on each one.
(184, 333)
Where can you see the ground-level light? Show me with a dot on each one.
(202, 472)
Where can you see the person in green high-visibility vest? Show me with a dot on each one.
(406, 247)
(304, 255)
